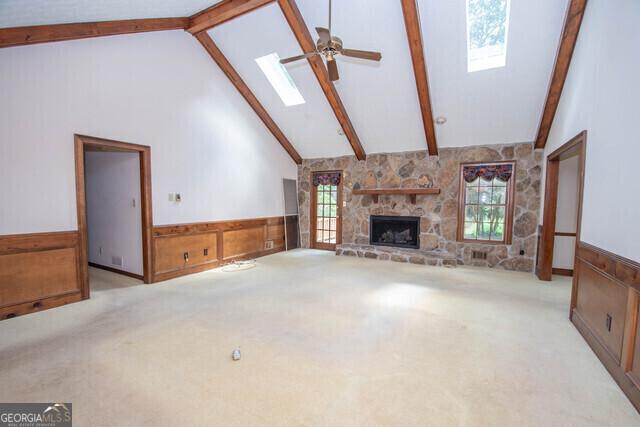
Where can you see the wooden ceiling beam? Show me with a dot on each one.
(222, 12)
(216, 54)
(572, 23)
(301, 32)
(414, 36)
(20, 36)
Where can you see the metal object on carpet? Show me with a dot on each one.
(236, 354)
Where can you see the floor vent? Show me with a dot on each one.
(479, 255)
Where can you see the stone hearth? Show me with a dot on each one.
(386, 253)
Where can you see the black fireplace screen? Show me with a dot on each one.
(398, 231)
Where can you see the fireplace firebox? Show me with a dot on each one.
(396, 231)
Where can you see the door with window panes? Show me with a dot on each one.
(326, 201)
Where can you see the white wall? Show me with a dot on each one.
(566, 213)
(158, 89)
(601, 95)
(114, 218)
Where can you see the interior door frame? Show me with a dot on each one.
(314, 214)
(576, 145)
(83, 143)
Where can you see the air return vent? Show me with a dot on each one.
(478, 255)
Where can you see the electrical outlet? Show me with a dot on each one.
(186, 256)
(100, 250)
(521, 251)
(206, 251)
(178, 197)
(117, 260)
(268, 244)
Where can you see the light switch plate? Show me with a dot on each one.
(172, 197)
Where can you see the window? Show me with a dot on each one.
(325, 210)
(280, 79)
(487, 32)
(326, 213)
(486, 208)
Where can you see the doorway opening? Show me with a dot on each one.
(560, 233)
(113, 196)
(326, 208)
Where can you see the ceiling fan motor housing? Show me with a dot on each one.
(330, 49)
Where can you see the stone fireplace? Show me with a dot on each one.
(437, 238)
(394, 231)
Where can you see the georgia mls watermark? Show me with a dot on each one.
(35, 414)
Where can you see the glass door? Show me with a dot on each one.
(326, 199)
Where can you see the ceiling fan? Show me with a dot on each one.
(329, 46)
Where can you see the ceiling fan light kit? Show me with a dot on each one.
(331, 46)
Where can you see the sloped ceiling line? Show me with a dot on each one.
(572, 24)
(414, 36)
(216, 54)
(300, 30)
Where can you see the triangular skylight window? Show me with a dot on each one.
(487, 33)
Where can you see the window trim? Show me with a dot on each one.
(313, 214)
(511, 193)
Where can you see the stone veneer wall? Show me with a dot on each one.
(438, 213)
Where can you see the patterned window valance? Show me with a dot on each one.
(488, 172)
(326, 178)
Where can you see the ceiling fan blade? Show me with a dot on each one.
(362, 54)
(324, 34)
(333, 70)
(297, 57)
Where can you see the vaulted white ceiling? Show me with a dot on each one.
(495, 106)
(487, 107)
(18, 13)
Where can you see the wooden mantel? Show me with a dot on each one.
(411, 192)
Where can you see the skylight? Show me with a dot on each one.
(280, 79)
(487, 33)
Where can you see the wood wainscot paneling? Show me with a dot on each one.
(605, 305)
(38, 271)
(189, 248)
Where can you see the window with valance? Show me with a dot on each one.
(486, 202)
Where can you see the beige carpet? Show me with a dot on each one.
(325, 341)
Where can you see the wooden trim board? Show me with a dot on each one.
(568, 272)
(20, 36)
(307, 44)
(575, 146)
(218, 57)
(572, 23)
(222, 12)
(82, 143)
(38, 271)
(209, 245)
(414, 36)
(604, 309)
(116, 270)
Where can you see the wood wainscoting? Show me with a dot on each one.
(39, 271)
(604, 307)
(189, 248)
